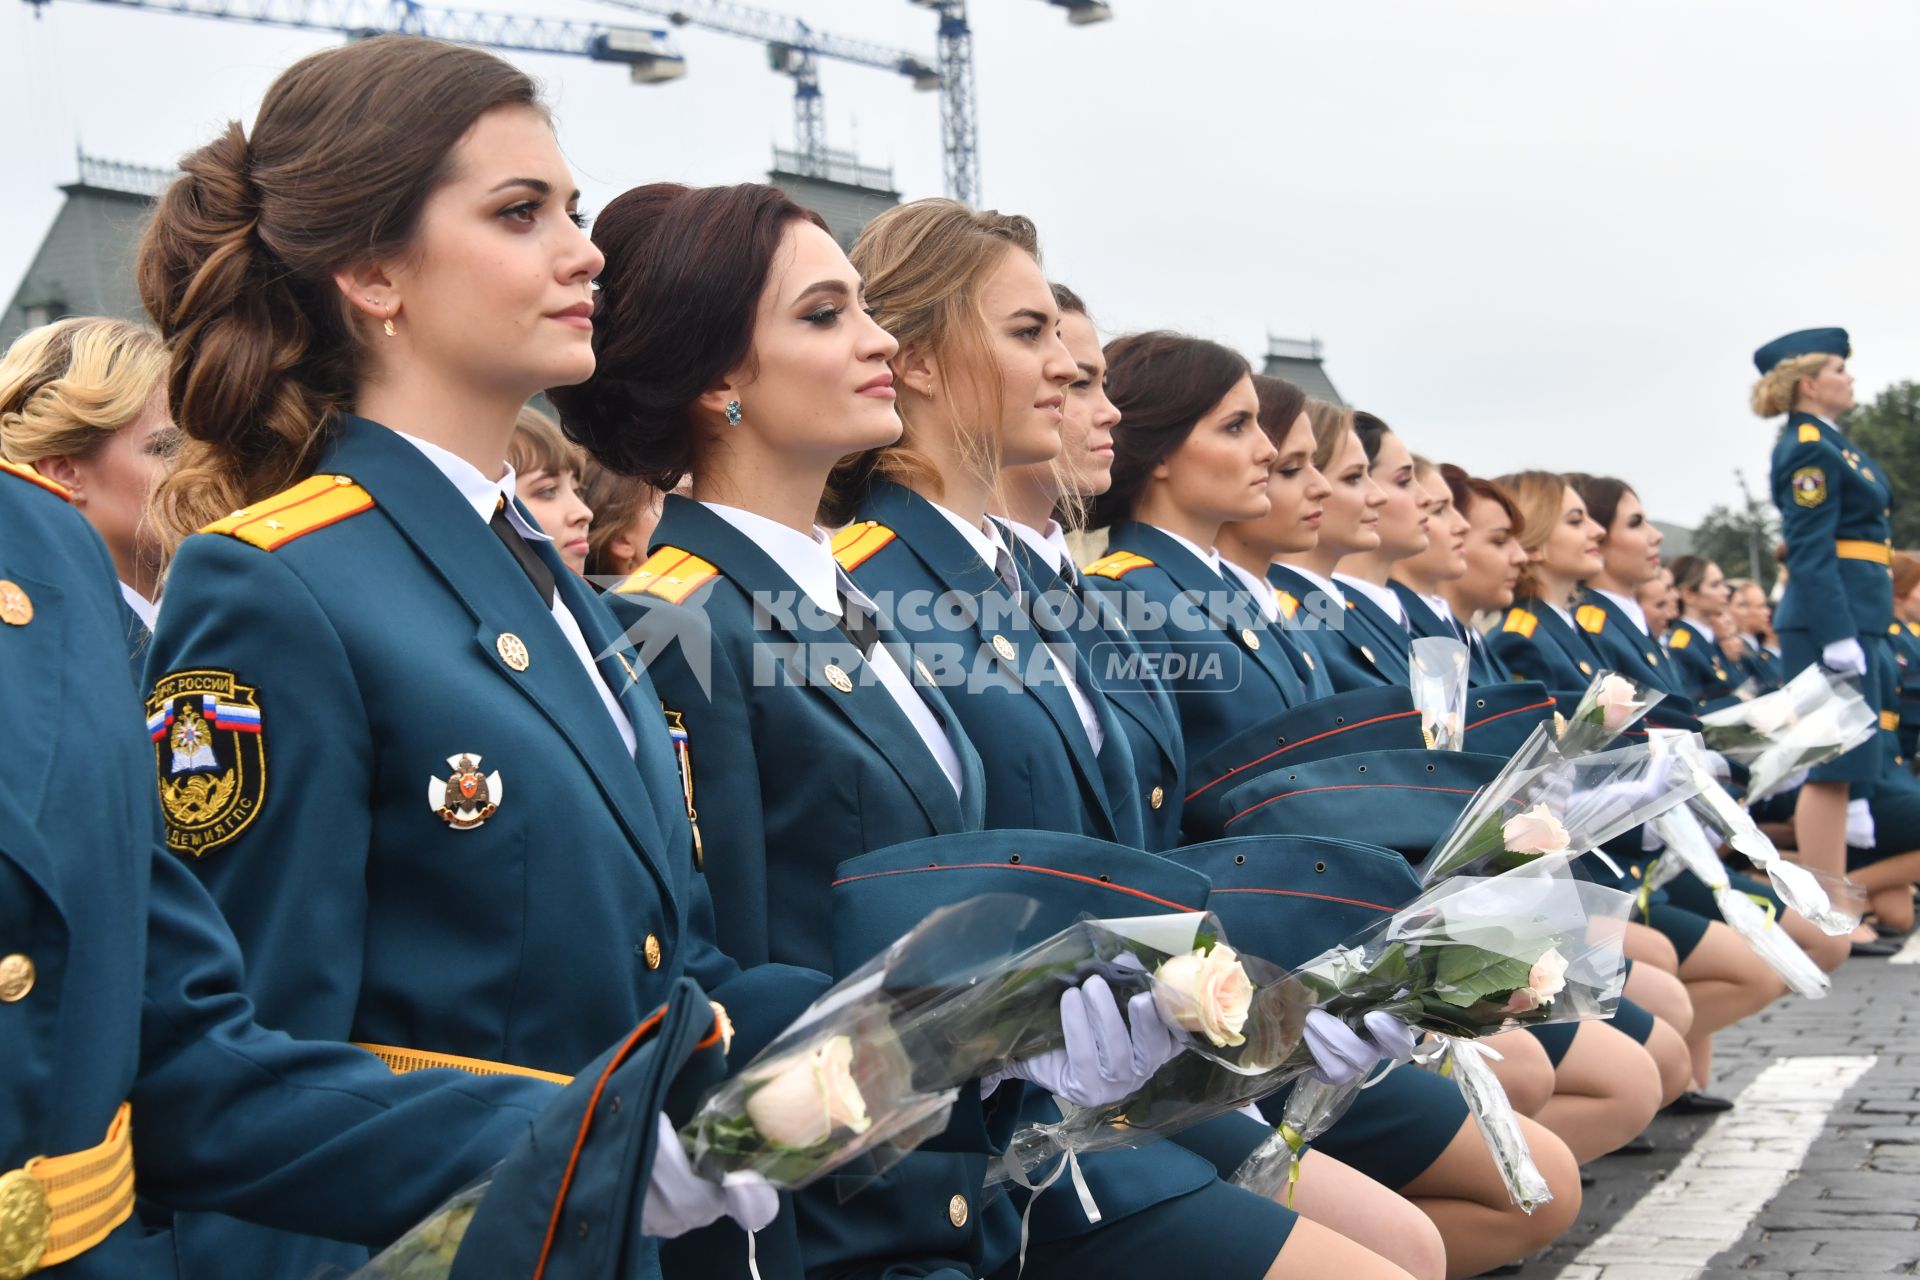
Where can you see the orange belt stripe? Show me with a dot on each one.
(401, 1061)
(89, 1193)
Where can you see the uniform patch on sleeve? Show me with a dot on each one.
(210, 751)
(1809, 486)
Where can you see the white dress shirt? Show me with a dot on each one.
(1385, 597)
(1050, 543)
(143, 608)
(1706, 632)
(1328, 585)
(809, 561)
(989, 546)
(1630, 607)
(1262, 591)
(484, 496)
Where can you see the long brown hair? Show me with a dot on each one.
(237, 265)
(924, 264)
(1537, 496)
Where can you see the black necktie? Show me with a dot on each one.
(857, 623)
(529, 560)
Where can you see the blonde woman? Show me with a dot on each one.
(1836, 516)
(82, 402)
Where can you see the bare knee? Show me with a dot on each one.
(1649, 946)
(1550, 1221)
(1524, 1070)
(1669, 1052)
(1312, 1250)
(1661, 994)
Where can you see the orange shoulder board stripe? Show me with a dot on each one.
(1519, 620)
(671, 574)
(1591, 617)
(1117, 565)
(1808, 433)
(1289, 603)
(293, 513)
(856, 544)
(1913, 628)
(31, 476)
(1679, 639)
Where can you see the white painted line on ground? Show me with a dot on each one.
(1909, 952)
(1732, 1172)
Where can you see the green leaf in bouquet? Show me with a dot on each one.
(1466, 975)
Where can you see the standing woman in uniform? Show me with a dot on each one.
(83, 402)
(1835, 513)
(441, 825)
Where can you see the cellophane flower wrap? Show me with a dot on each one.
(1438, 668)
(426, 1252)
(1833, 903)
(1815, 717)
(1465, 1063)
(1545, 805)
(1612, 704)
(1469, 957)
(1690, 848)
(1466, 958)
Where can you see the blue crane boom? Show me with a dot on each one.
(649, 55)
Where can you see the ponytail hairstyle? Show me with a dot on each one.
(237, 266)
(1689, 572)
(1779, 387)
(1537, 496)
(678, 300)
(1332, 424)
(66, 387)
(1163, 383)
(924, 264)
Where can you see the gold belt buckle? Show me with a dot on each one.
(25, 1220)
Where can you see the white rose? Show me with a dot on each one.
(1616, 700)
(1206, 992)
(1536, 831)
(1549, 976)
(805, 1097)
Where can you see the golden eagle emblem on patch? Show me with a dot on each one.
(1809, 486)
(466, 797)
(210, 751)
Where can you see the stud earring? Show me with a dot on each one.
(733, 413)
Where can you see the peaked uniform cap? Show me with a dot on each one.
(1802, 342)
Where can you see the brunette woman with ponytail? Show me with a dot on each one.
(441, 824)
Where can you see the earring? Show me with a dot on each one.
(929, 388)
(386, 327)
(733, 413)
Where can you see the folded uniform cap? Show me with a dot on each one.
(879, 896)
(1288, 898)
(1802, 342)
(1500, 716)
(566, 1203)
(1376, 719)
(1402, 800)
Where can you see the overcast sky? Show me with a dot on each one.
(1529, 232)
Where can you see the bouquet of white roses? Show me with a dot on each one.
(1438, 668)
(1815, 717)
(1465, 958)
(1546, 805)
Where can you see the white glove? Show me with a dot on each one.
(1860, 834)
(1106, 1057)
(1340, 1056)
(680, 1200)
(1845, 656)
(1392, 1037)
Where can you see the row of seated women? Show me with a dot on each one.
(888, 682)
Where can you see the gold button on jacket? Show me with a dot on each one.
(957, 1211)
(652, 952)
(16, 977)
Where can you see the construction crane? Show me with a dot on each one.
(959, 127)
(648, 55)
(793, 49)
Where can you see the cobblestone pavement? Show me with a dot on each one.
(1817, 1172)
